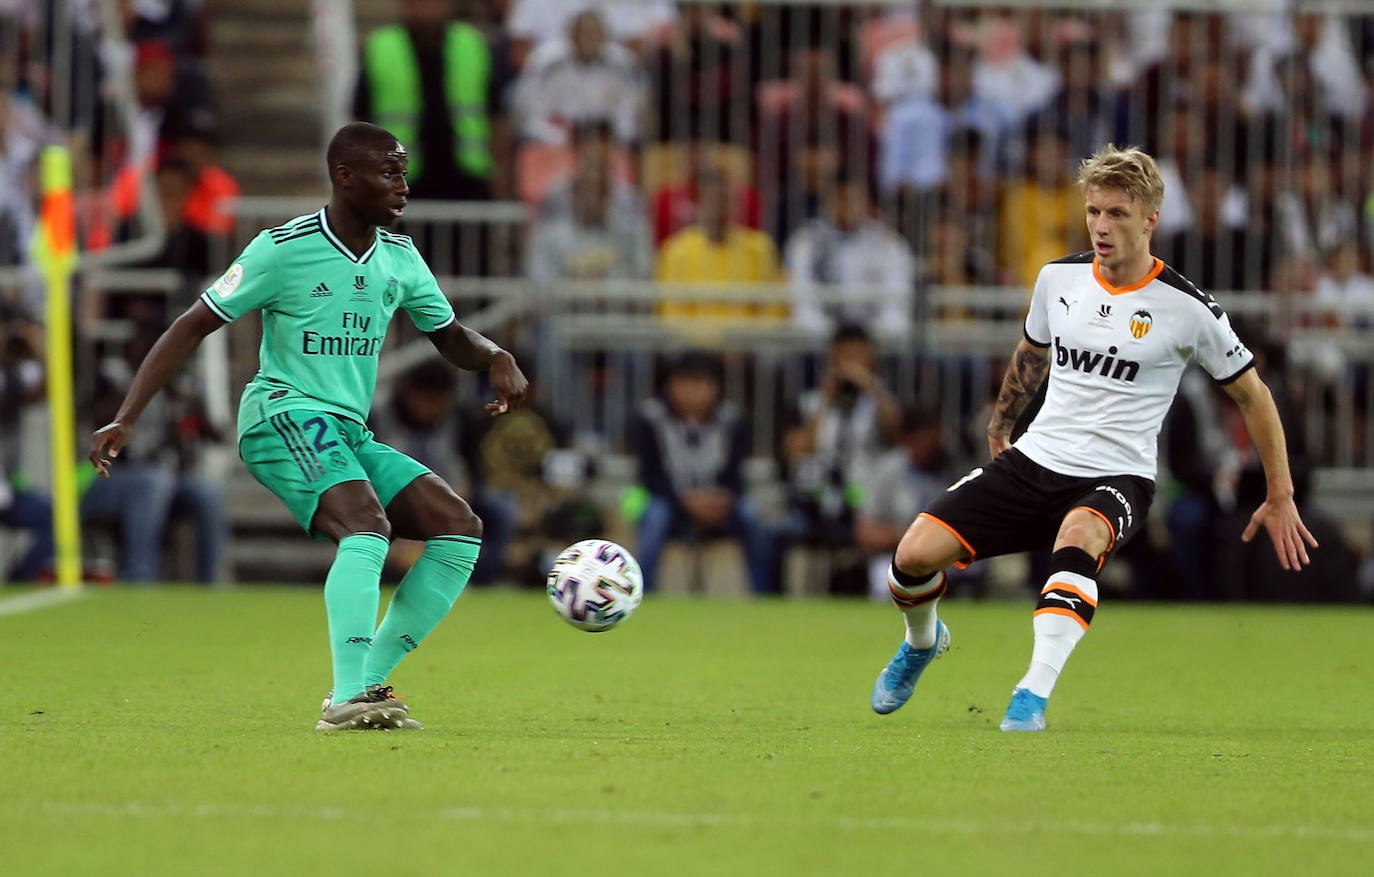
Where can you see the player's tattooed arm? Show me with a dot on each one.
(1026, 372)
(473, 351)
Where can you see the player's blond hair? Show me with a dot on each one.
(1131, 170)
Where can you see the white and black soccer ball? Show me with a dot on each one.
(595, 585)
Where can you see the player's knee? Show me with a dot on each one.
(915, 558)
(370, 521)
(460, 520)
(1092, 539)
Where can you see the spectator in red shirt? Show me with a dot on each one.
(675, 205)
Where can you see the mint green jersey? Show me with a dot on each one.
(325, 314)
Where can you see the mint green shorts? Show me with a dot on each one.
(298, 455)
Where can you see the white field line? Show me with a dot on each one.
(594, 816)
(36, 600)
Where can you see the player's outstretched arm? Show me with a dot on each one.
(165, 359)
(1025, 373)
(475, 352)
(1279, 514)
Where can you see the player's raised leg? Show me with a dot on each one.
(916, 581)
(350, 514)
(426, 510)
(1062, 613)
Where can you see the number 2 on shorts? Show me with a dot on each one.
(319, 442)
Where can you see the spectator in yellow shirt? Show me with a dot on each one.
(1042, 213)
(716, 250)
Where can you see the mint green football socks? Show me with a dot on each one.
(424, 597)
(352, 591)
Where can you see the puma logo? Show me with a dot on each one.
(1067, 304)
(1072, 601)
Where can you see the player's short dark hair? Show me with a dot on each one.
(357, 141)
(850, 332)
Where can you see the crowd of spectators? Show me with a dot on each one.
(131, 102)
(852, 158)
(945, 137)
(846, 158)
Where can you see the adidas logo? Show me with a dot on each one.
(320, 291)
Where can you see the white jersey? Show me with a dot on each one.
(1117, 355)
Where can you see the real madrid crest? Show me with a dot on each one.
(389, 296)
(1141, 321)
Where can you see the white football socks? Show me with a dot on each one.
(1062, 616)
(917, 602)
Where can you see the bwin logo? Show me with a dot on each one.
(1087, 361)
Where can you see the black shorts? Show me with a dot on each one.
(1014, 504)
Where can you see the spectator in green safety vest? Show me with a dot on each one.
(435, 83)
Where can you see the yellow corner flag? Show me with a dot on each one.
(55, 253)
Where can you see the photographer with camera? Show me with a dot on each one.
(840, 429)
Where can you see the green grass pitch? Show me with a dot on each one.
(169, 731)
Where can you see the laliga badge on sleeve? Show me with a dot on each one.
(226, 285)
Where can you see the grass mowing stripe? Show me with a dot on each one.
(136, 810)
(35, 600)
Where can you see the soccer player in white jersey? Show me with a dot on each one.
(1113, 328)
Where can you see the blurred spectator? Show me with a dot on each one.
(154, 481)
(837, 433)
(1346, 287)
(21, 383)
(421, 420)
(1313, 215)
(953, 259)
(635, 23)
(1042, 212)
(580, 78)
(915, 145)
(675, 205)
(849, 252)
(1203, 464)
(23, 134)
(181, 24)
(169, 93)
(594, 146)
(600, 239)
(968, 196)
(1216, 253)
(903, 66)
(524, 465)
(1006, 75)
(434, 82)
(1083, 104)
(718, 250)
(810, 125)
(691, 446)
(904, 479)
(212, 187)
(1320, 46)
(698, 80)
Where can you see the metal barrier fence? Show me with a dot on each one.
(597, 347)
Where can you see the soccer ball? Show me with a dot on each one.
(594, 585)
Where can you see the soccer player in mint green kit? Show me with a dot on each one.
(328, 285)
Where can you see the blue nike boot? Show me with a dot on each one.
(898, 679)
(1026, 712)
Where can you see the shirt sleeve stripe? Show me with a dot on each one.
(1032, 340)
(1243, 369)
(452, 318)
(218, 311)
